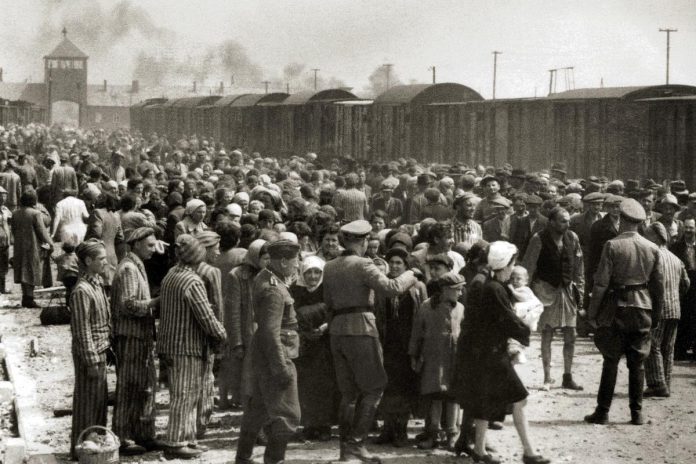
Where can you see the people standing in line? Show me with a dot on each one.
(349, 281)
(554, 261)
(274, 402)
(90, 321)
(627, 300)
(685, 250)
(133, 334)
(188, 331)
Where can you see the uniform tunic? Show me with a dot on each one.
(275, 345)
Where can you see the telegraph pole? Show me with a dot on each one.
(552, 73)
(432, 68)
(316, 70)
(668, 31)
(495, 69)
(388, 66)
(287, 87)
(265, 83)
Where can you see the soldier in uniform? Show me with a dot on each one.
(274, 402)
(627, 300)
(349, 284)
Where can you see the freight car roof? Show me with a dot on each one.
(307, 96)
(253, 99)
(427, 93)
(625, 93)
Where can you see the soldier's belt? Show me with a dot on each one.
(352, 310)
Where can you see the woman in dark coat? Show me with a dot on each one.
(316, 379)
(395, 316)
(31, 242)
(489, 384)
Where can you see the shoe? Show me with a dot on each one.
(401, 441)
(130, 448)
(569, 383)
(495, 425)
(462, 445)
(198, 446)
(428, 443)
(637, 418)
(451, 441)
(153, 445)
(535, 459)
(486, 458)
(357, 451)
(656, 392)
(384, 438)
(547, 384)
(29, 303)
(597, 417)
(182, 452)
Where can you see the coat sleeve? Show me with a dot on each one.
(507, 321)
(377, 281)
(197, 301)
(415, 344)
(531, 256)
(601, 281)
(579, 271)
(233, 309)
(269, 323)
(129, 277)
(40, 230)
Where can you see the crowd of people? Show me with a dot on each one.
(315, 292)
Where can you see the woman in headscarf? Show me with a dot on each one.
(316, 380)
(394, 317)
(238, 317)
(490, 387)
(192, 223)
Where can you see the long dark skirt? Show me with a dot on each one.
(316, 383)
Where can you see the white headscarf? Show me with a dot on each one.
(500, 254)
(192, 205)
(311, 262)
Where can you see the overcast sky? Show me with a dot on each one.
(347, 40)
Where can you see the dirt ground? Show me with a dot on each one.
(555, 417)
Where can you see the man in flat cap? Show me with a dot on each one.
(493, 227)
(349, 282)
(525, 222)
(212, 280)
(134, 343)
(188, 331)
(465, 230)
(386, 202)
(274, 402)
(491, 191)
(12, 184)
(602, 231)
(627, 299)
(669, 207)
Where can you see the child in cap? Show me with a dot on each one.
(433, 349)
(527, 307)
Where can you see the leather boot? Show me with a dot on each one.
(355, 446)
(275, 450)
(569, 383)
(245, 448)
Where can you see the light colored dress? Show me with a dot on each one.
(69, 223)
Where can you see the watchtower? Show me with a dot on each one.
(65, 75)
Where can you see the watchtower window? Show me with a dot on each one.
(77, 64)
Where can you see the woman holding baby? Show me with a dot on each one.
(489, 388)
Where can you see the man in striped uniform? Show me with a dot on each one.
(134, 344)
(212, 280)
(188, 331)
(274, 400)
(90, 326)
(350, 200)
(658, 366)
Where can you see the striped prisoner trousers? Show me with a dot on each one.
(186, 375)
(136, 386)
(658, 365)
(89, 399)
(206, 401)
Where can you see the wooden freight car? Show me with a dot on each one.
(246, 124)
(398, 124)
(594, 131)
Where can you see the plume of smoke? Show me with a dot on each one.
(378, 80)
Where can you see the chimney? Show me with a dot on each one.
(104, 89)
(135, 86)
(194, 86)
(222, 88)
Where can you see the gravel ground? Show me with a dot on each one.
(557, 429)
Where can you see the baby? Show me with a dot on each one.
(527, 307)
